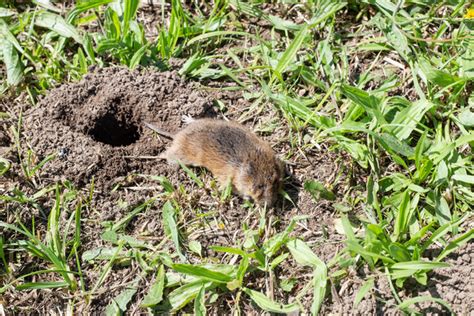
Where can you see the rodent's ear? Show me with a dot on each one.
(250, 169)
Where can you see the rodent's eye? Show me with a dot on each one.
(260, 187)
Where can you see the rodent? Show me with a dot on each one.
(232, 153)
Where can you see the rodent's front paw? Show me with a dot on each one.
(187, 119)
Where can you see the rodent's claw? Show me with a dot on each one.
(187, 119)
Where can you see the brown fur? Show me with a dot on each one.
(231, 153)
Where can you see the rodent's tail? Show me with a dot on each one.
(159, 131)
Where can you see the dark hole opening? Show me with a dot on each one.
(110, 130)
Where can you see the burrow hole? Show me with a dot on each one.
(109, 129)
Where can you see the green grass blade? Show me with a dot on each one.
(364, 289)
(129, 12)
(290, 53)
(200, 302)
(419, 265)
(405, 304)
(371, 104)
(191, 174)
(83, 7)
(137, 57)
(402, 216)
(203, 273)
(268, 305)
(171, 227)
(41, 285)
(455, 244)
(217, 34)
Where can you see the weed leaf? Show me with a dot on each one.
(57, 24)
(364, 289)
(268, 305)
(155, 294)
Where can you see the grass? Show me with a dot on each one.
(387, 83)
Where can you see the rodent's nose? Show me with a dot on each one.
(269, 200)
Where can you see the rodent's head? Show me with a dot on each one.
(261, 179)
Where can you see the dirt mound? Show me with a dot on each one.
(95, 127)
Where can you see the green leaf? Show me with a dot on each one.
(155, 294)
(466, 60)
(348, 231)
(137, 57)
(419, 149)
(398, 40)
(47, 5)
(282, 24)
(119, 303)
(274, 243)
(364, 289)
(191, 174)
(402, 216)
(41, 285)
(390, 142)
(325, 9)
(466, 117)
(319, 290)
(443, 212)
(13, 63)
(231, 250)
(305, 256)
(164, 182)
(129, 12)
(202, 273)
(83, 6)
(181, 296)
(406, 303)
(122, 223)
(355, 247)
(268, 305)
(57, 24)
(318, 191)
(455, 244)
(463, 178)
(4, 30)
(195, 246)
(4, 12)
(418, 265)
(217, 33)
(192, 63)
(200, 303)
(287, 285)
(290, 53)
(369, 103)
(436, 76)
(171, 227)
(406, 120)
(399, 252)
(2, 256)
(4, 166)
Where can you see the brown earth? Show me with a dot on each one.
(95, 130)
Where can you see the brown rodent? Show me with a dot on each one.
(231, 153)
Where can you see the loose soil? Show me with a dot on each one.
(95, 130)
(95, 127)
